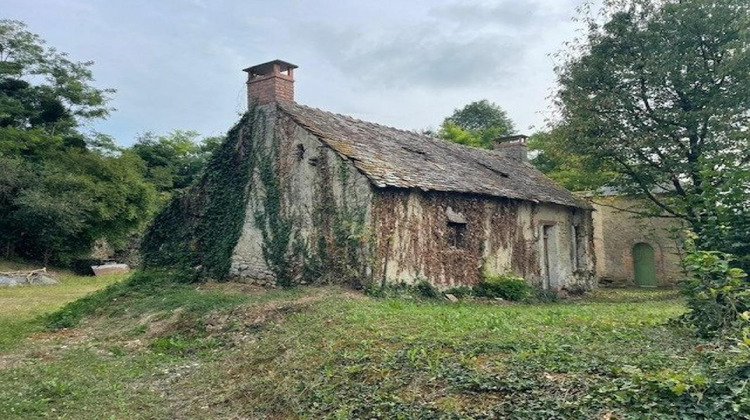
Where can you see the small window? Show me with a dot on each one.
(457, 235)
(579, 247)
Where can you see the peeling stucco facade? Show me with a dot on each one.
(405, 234)
(501, 236)
(311, 177)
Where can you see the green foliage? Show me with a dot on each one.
(338, 255)
(333, 253)
(59, 191)
(718, 295)
(275, 225)
(573, 171)
(175, 160)
(427, 290)
(477, 124)
(659, 95)
(58, 200)
(198, 230)
(139, 284)
(40, 88)
(460, 292)
(482, 115)
(452, 132)
(327, 355)
(507, 287)
(421, 290)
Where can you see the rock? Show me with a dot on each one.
(42, 279)
(451, 297)
(100, 270)
(26, 279)
(11, 280)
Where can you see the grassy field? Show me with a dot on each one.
(230, 351)
(20, 307)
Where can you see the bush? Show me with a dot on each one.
(504, 286)
(718, 295)
(426, 290)
(544, 296)
(421, 290)
(460, 292)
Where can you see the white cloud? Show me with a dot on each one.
(177, 65)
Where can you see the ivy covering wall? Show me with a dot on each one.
(333, 247)
(197, 231)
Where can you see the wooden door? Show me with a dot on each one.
(643, 265)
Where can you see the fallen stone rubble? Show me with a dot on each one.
(20, 278)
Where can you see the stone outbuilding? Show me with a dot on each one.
(338, 198)
(632, 250)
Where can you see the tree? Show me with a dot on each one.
(477, 124)
(572, 171)
(660, 95)
(174, 160)
(41, 88)
(59, 189)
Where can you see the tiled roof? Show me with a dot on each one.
(390, 157)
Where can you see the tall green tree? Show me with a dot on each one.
(174, 160)
(60, 190)
(573, 171)
(41, 87)
(660, 94)
(477, 124)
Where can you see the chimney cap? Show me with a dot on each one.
(267, 68)
(515, 138)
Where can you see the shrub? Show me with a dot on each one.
(426, 290)
(421, 290)
(460, 292)
(718, 295)
(544, 296)
(504, 286)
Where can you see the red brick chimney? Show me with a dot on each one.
(270, 82)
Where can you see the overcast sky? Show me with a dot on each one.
(408, 64)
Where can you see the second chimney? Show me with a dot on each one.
(270, 82)
(512, 147)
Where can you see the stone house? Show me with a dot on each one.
(633, 250)
(337, 197)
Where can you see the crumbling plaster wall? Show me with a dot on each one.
(314, 180)
(502, 236)
(616, 232)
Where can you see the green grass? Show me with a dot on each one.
(20, 306)
(229, 351)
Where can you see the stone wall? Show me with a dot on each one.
(415, 240)
(343, 228)
(616, 232)
(320, 192)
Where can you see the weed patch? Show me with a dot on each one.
(328, 353)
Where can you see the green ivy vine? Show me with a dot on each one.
(197, 231)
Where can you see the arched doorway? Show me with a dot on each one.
(643, 265)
